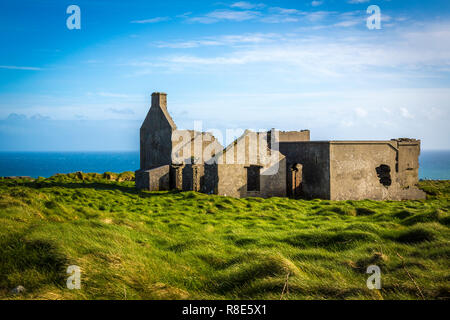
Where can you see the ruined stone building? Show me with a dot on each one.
(273, 163)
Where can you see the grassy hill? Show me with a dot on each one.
(179, 245)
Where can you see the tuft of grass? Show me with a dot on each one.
(403, 214)
(435, 215)
(416, 235)
(30, 263)
(133, 244)
(364, 211)
(339, 240)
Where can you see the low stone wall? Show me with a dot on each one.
(156, 179)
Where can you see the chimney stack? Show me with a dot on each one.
(159, 99)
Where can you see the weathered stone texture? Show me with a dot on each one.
(353, 171)
(251, 149)
(156, 134)
(153, 179)
(193, 177)
(293, 136)
(193, 147)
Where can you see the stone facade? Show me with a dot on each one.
(273, 163)
(378, 170)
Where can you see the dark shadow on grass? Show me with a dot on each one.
(333, 241)
(97, 186)
(30, 263)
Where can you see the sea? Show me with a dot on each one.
(433, 164)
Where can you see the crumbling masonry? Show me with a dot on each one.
(273, 163)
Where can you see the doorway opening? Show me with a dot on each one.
(297, 179)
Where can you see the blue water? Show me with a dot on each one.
(433, 164)
(46, 164)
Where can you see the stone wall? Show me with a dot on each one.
(293, 136)
(232, 180)
(251, 149)
(193, 177)
(156, 179)
(378, 170)
(274, 185)
(190, 147)
(408, 162)
(210, 182)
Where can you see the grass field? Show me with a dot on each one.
(186, 245)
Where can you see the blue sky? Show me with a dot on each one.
(286, 64)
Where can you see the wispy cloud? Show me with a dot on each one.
(315, 16)
(225, 15)
(112, 94)
(357, 1)
(20, 68)
(247, 5)
(22, 117)
(361, 112)
(406, 114)
(244, 11)
(348, 23)
(151, 20)
(285, 10)
(125, 111)
(226, 40)
(279, 19)
(419, 51)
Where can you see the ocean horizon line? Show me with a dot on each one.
(433, 164)
(137, 150)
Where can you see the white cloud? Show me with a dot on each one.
(348, 23)
(226, 40)
(124, 111)
(316, 3)
(225, 15)
(318, 15)
(405, 113)
(347, 123)
(357, 1)
(285, 11)
(278, 19)
(20, 68)
(360, 112)
(39, 117)
(151, 20)
(387, 110)
(252, 12)
(233, 15)
(329, 114)
(406, 51)
(246, 5)
(113, 95)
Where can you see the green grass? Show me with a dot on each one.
(184, 245)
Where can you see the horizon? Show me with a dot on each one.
(235, 64)
(137, 150)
